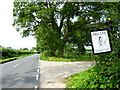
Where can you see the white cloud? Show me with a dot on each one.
(9, 37)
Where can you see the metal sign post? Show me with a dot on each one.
(100, 41)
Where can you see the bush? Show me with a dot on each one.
(46, 53)
(91, 79)
(9, 52)
(105, 74)
(85, 79)
(57, 53)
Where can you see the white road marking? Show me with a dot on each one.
(16, 65)
(38, 66)
(38, 70)
(37, 77)
(35, 87)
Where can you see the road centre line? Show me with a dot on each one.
(35, 87)
(38, 70)
(37, 77)
(16, 65)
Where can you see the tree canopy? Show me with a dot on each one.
(56, 23)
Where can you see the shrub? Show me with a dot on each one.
(85, 79)
(9, 52)
(46, 53)
(57, 53)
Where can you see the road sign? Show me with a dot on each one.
(100, 41)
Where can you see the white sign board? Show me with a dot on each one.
(100, 41)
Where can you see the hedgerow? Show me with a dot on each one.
(9, 52)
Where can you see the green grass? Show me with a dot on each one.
(91, 79)
(72, 58)
(13, 58)
(81, 80)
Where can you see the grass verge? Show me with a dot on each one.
(13, 58)
(72, 58)
(82, 79)
(91, 79)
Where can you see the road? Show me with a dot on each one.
(21, 73)
(52, 73)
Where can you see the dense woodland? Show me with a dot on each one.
(57, 25)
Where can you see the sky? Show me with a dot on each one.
(9, 37)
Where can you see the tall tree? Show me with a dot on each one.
(48, 21)
(53, 25)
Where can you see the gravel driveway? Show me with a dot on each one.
(52, 74)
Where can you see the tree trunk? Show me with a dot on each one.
(81, 49)
(61, 52)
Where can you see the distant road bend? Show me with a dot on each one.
(21, 73)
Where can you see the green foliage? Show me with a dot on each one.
(91, 79)
(108, 70)
(106, 73)
(70, 47)
(41, 20)
(85, 79)
(88, 49)
(56, 53)
(45, 54)
(26, 49)
(13, 58)
(72, 58)
(9, 52)
(33, 49)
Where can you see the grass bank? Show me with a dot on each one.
(91, 79)
(13, 58)
(84, 79)
(71, 58)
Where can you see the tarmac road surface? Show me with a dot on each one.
(21, 73)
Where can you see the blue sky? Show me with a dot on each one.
(9, 37)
